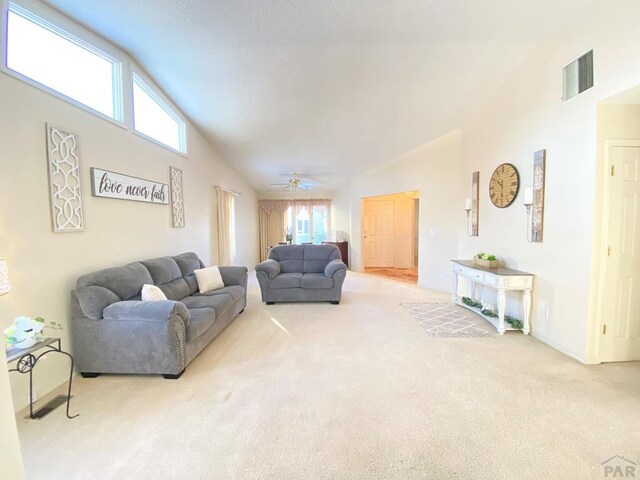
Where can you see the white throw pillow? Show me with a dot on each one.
(151, 293)
(209, 279)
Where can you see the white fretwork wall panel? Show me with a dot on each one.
(177, 198)
(64, 180)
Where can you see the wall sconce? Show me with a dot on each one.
(467, 208)
(528, 203)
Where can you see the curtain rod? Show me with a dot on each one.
(218, 187)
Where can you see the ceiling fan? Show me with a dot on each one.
(294, 184)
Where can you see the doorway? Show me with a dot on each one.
(619, 325)
(389, 236)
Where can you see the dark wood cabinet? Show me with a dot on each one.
(344, 250)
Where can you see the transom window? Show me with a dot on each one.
(154, 118)
(63, 63)
(46, 56)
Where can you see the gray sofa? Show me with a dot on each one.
(113, 331)
(302, 273)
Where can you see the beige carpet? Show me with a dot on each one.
(355, 391)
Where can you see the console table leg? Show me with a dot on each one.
(502, 304)
(526, 304)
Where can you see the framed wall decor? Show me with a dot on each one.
(177, 198)
(475, 203)
(65, 191)
(537, 208)
(125, 187)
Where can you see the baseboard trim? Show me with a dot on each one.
(562, 348)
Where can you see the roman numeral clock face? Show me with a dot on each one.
(504, 184)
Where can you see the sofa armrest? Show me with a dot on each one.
(333, 266)
(270, 267)
(234, 275)
(155, 311)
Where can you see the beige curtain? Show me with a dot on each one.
(226, 226)
(271, 224)
(271, 219)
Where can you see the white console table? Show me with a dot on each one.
(500, 279)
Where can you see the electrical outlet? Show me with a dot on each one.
(443, 274)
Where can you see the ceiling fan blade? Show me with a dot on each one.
(278, 184)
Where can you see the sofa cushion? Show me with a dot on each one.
(98, 290)
(220, 303)
(316, 280)
(188, 262)
(286, 280)
(201, 319)
(236, 292)
(290, 257)
(316, 257)
(176, 289)
(163, 269)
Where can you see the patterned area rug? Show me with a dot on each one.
(448, 320)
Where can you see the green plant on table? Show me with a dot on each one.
(485, 256)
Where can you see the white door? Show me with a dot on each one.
(620, 329)
(378, 233)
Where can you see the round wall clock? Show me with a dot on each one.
(504, 185)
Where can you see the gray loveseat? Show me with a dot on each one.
(113, 331)
(302, 273)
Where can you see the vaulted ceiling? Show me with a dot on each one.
(326, 88)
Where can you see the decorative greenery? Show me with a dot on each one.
(288, 235)
(487, 312)
(485, 256)
(514, 322)
(471, 303)
(25, 327)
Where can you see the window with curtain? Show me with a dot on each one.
(307, 223)
(226, 227)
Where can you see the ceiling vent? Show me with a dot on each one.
(578, 76)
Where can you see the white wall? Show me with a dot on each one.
(44, 266)
(433, 171)
(524, 115)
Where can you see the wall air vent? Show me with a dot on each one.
(577, 76)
